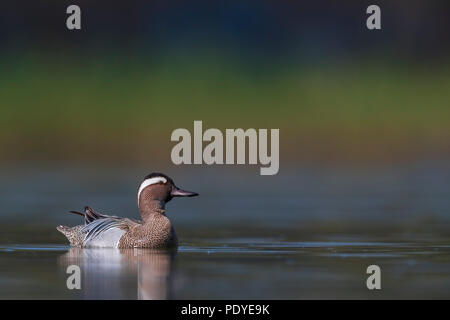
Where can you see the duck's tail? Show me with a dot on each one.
(64, 230)
(72, 234)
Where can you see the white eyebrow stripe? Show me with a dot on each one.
(149, 182)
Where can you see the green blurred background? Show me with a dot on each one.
(114, 91)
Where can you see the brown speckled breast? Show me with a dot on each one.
(156, 232)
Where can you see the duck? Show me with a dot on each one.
(153, 231)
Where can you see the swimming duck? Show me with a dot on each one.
(153, 231)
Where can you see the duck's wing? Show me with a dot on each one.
(91, 215)
(104, 231)
(101, 225)
(101, 229)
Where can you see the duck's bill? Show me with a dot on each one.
(177, 192)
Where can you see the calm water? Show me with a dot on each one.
(302, 234)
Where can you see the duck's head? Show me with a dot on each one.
(159, 188)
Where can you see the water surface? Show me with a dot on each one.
(299, 235)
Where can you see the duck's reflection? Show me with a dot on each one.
(116, 273)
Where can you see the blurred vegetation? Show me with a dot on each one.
(127, 106)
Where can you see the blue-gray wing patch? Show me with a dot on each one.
(98, 228)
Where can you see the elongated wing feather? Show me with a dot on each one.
(91, 215)
(99, 226)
